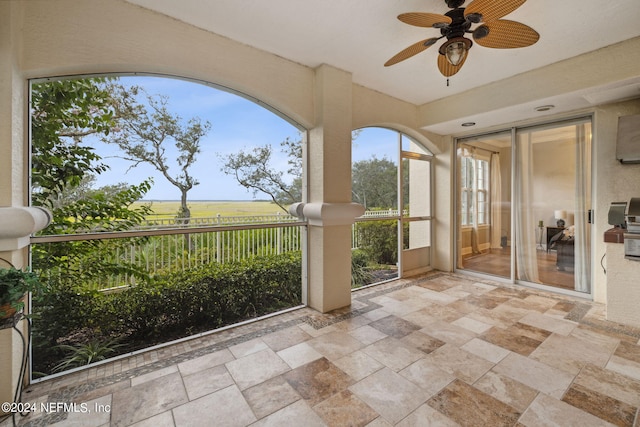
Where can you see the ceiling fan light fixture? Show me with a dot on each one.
(455, 50)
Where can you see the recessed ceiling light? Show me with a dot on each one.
(544, 108)
(467, 124)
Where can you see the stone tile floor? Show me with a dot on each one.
(441, 350)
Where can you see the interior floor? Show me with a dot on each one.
(440, 349)
(497, 262)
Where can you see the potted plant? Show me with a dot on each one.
(14, 285)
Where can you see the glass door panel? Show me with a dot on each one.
(552, 189)
(483, 230)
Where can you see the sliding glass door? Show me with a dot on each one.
(546, 238)
(484, 204)
(552, 188)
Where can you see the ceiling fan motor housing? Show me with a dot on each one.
(454, 3)
(456, 46)
(459, 25)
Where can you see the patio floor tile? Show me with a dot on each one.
(441, 349)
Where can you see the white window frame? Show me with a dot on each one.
(473, 184)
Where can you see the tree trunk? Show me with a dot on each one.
(185, 215)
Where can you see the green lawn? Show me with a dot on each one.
(199, 209)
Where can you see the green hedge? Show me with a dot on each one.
(176, 304)
(379, 240)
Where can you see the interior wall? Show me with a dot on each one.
(554, 180)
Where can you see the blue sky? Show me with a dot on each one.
(236, 123)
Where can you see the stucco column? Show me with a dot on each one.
(329, 209)
(12, 191)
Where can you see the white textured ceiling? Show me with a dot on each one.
(359, 36)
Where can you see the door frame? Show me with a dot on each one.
(408, 258)
(585, 118)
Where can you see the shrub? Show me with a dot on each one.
(379, 240)
(360, 274)
(84, 354)
(170, 306)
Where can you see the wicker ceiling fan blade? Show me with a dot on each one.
(420, 19)
(492, 10)
(505, 34)
(446, 68)
(414, 49)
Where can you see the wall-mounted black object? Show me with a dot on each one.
(628, 143)
(617, 211)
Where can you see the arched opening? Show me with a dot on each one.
(392, 178)
(169, 201)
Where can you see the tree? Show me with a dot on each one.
(374, 183)
(63, 114)
(253, 170)
(144, 133)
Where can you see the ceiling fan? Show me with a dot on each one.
(454, 25)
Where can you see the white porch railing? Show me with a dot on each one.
(163, 245)
(161, 222)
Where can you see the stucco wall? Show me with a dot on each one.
(79, 37)
(12, 182)
(12, 110)
(613, 182)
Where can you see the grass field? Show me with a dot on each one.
(199, 209)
